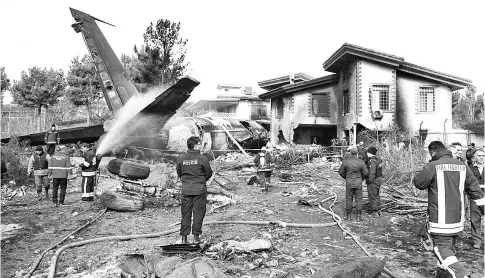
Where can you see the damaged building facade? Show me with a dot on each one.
(367, 90)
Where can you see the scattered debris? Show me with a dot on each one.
(141, 266)
(121, 202)
(9, 230)
(252, 245)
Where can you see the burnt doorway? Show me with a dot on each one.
(316, 134)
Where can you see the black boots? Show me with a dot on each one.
(359, 215)
(348, 214)
(196, 238)
(184, 239)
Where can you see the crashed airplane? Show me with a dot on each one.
(167, 132)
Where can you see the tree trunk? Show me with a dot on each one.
(39, 112)
(88, 108)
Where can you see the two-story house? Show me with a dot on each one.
(368, 89)
(233, 101)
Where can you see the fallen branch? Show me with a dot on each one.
(338, 220)
(52, 269)
(39, 259)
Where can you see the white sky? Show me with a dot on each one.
(243, 42)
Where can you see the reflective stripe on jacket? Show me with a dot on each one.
(51, 137)
(447, 180)
(60, 166)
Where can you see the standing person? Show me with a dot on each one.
(194, 170)
(264, 160)
(475, 213)
(353, 170)
(60, 168)
(374, 180)
(447, 180)
(456, 151)
(38, 164)
(52, 139)
(469, 154)
(88, 172)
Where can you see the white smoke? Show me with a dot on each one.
(119, 131)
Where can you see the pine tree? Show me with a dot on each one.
(84, 86)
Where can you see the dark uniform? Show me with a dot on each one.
(263, 161)
(39, 165)
(469, 155)
(194, 170)
(353, 170)
(60, 168)
(374, 182)
(51, 138)
(446, 180)
(475, 213)
(88, 173)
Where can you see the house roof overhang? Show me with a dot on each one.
(208, 104)
(349, 52)
(300, 86)
(454, 82)
(281, 81)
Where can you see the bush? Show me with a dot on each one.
(16, 156)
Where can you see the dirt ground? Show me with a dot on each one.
(300, 252)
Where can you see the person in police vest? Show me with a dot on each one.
(475, 213)
(374, 180)
(194, 170)
(51, 138)
(447, 180)
(88, 172)
(264, 160)
(38, 164)
(60, 168)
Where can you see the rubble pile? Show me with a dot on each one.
(300, 154)
(232, 161)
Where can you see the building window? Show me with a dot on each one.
(380, 97)
(346, 102)
(426, 101)
(320, 105)
(259, 111)
(279, 108)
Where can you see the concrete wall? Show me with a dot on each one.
(374, 74)
(243, 110)
(408, 118)
(297, 111)
(346, 122)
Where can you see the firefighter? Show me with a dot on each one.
(88, 172)
(353, 170)
(52, 139)
(447, 180)
(475, 213)
(264, 160)
(194, 170)
(60, 168)
(38, 164)
(374, 181)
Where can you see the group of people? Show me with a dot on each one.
(448, 177)
(448, 180)
(361, 165)
(53, 165)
